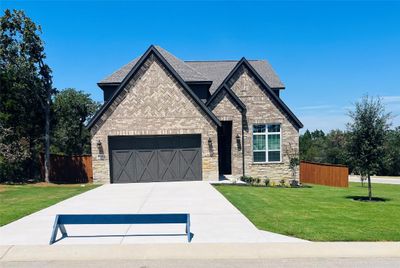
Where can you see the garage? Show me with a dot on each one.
(155, 158)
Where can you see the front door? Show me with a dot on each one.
(225, 147)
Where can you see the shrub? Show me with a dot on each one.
(266, 182)
(247, 179)
(294, 183)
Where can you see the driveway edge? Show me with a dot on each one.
(203, 251)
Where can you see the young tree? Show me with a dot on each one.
(26, 81)
(367, 132)
(293, 154)
(72, 109)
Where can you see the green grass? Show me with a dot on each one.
(17, 201)
(321, 213)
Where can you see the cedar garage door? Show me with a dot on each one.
(155, 158)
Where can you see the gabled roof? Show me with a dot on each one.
(229, 91)
(152, 50)
(215, 71)
(187, 72)
(266, 87)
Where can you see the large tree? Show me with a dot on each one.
(335, 147)
(26, 87)
(72, 110)
(390, 164)
(367, 131)
(312, 146)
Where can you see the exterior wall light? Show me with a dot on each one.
(100, 155)
(210, 147)
(238, 142)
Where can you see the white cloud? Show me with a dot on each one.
(391, 99)
(325, 122)
(328, 116)
(315, 107)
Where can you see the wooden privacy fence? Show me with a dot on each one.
(324, 174)
(69, 169)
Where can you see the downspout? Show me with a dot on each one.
(243, 161)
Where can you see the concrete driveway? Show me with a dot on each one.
(213, 218)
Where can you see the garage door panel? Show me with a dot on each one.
(155, 158)
(147, 166)
(168, 165)
(189, 161)
(123, 166)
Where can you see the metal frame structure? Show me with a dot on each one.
(75, 219)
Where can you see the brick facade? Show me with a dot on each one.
(261, 109)
(153, 103)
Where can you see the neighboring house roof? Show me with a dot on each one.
(162, 56)
(266, 87)
(215, 71)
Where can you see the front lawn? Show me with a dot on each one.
(17, 201)
(320, 213)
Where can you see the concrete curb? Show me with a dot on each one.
(201, 251)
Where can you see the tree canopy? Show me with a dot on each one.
(26, 90)
(27, 111)
(72, 109)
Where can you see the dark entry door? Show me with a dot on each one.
(155, 158)
(225, 147)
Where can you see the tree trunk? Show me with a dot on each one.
(369, 188)
(47, 143)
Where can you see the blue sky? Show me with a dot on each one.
(328, 54)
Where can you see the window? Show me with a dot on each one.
(267, 143)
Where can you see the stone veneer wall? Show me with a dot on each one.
(261, 109)
(226, 109)
(153, 103)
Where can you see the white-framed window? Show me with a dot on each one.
(266, 143)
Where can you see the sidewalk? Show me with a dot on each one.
(9, 254)
(377, 179)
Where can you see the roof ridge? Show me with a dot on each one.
(158, 48)
(211, 60)
(218, 60)
(201, 70)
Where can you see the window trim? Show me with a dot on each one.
(266, 134)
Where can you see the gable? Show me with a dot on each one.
(260, 103)
(136, 72)
(155, 100)
(222, 93)
(225, 106)
(234, 75)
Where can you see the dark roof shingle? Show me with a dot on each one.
(215, 71)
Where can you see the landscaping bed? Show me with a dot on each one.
(17, 201)
(320, 213)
